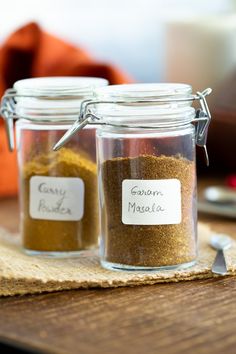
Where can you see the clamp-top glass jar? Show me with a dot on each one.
(147, 175)
(58, 190)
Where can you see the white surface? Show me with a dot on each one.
(151, 202)
(56, 198)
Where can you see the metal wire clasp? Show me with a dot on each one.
(201, 121)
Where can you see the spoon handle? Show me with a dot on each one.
(219, 265)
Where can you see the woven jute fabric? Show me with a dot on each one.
(23, 274)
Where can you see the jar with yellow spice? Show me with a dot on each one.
(58, 190)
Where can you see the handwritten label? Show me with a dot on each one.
(56, 198)
(151, 202)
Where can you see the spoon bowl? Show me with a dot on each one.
(222, 195)
(220, 242)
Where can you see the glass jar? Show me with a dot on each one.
(58, 190)
(147, 173)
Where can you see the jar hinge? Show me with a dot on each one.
(7, 111)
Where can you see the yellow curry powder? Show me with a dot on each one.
(58, 235)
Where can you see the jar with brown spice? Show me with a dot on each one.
(147, 174)
(58, 190)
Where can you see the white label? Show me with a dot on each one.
(151, 202)
(56, 198)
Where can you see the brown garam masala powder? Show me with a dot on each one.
(59, 235)
(148, 245)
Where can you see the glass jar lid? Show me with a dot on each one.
(53, 98)
(47, 99)
(154, 105)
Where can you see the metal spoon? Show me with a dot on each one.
(220, 242)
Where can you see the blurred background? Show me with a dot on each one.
(147, 38)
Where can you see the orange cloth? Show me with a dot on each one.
(31, 52)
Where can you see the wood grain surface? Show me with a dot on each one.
(187, 317)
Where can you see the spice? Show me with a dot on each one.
(148, 245)
(60, 235)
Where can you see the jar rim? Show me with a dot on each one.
(155, 117)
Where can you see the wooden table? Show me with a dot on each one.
(187, 317)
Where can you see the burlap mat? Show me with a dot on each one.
(22, 274)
